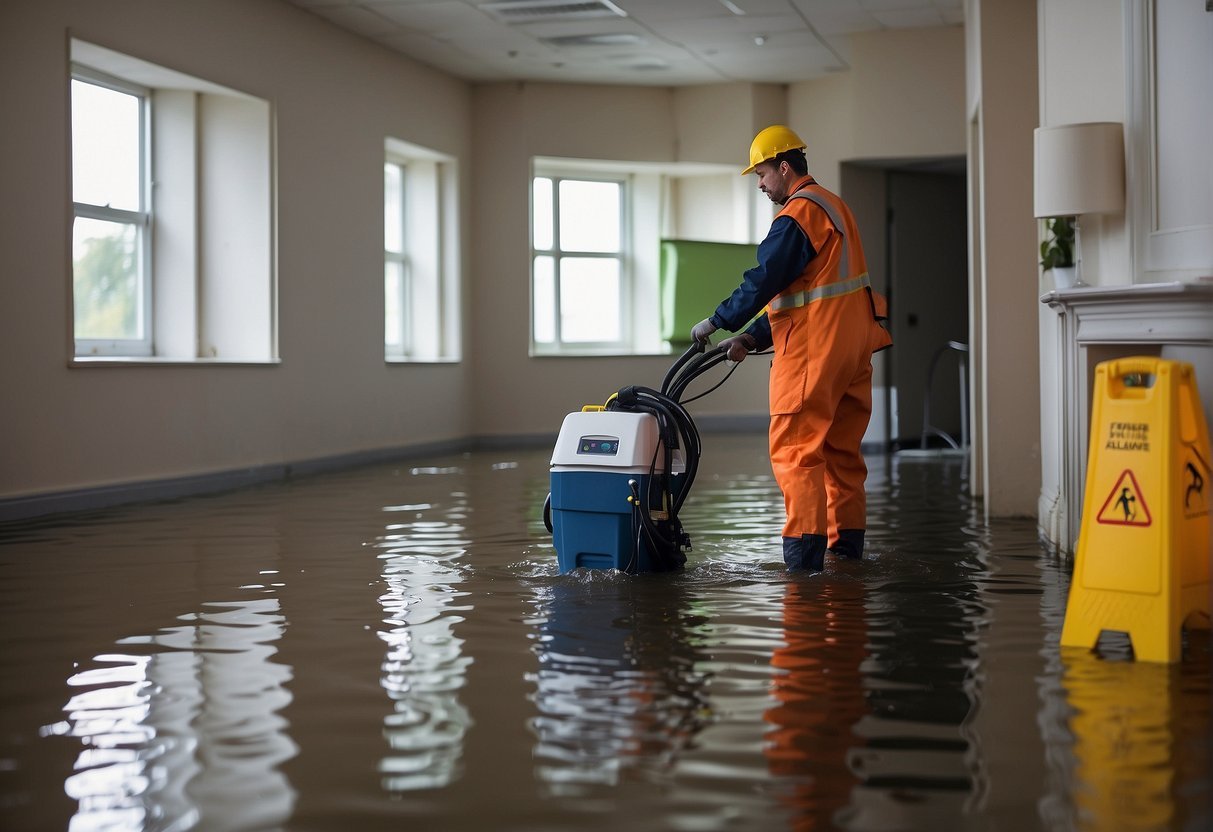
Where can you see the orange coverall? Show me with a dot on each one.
(823, 324)
(824, 330)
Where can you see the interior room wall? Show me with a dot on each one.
(711, 121)
(518, 395)
(1003, 285)
(1081, 79)
(903, 99)
(335, 97)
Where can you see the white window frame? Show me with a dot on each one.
(209, 245)
(404, 333)
(140, 219)
(652, 210)
(560, 346)
(430, 326)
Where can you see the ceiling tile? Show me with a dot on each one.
(909, 18)
(685, 41)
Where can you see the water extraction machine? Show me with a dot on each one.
(621, 472)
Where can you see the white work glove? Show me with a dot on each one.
(738, 347)
(702, 331)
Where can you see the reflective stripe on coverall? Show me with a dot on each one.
(824, 330)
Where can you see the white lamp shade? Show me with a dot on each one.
(1080, 169)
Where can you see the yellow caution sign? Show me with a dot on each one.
(1142, 565)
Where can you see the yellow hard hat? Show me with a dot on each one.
(770, 142)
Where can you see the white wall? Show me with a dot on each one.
(1095, 66)
(335, 98)
(1082, 78)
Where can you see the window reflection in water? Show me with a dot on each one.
(424, 667)
(618, 691)
(184, 729)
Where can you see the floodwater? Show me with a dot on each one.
(392, 647)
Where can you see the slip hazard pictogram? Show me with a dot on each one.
(1196, 498)
(1126, 505)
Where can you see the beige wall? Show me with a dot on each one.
(904, 99)
(518, 394)
(713, 121)
(1003, 285)
(335, 98)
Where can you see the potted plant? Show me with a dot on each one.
(1057, 251)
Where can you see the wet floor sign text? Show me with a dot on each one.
(1142, 565)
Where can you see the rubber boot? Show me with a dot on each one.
(849, 544)
(805, 552)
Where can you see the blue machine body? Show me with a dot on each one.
(596, 457)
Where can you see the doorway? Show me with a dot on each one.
(914, 221)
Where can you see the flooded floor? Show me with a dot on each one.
(392, 647)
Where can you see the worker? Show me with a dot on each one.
(823, 319)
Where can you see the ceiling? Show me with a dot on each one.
(651, 42)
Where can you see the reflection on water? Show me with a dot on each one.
(820, 699)
(194, 723)
(424, 666)
(920, 689)
(1128, 739)
(619, 691)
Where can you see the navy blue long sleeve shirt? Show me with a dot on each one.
(782, 257)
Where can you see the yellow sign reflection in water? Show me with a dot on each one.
(1128, 751)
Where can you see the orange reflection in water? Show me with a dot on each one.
(819, 690)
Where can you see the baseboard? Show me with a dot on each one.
(171, 488)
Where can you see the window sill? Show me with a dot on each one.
(399, 362)
(153, 361)
(611, 352)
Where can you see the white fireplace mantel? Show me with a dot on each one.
(1100, 323)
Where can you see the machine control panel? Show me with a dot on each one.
(600, 445)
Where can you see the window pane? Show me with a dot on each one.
(544, 299)
(393, 307)
(105, 278)
(393, 208)
(589, 215)
(589, 299)
(105, 147)
(541, 213)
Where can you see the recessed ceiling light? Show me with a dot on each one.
(604, 39)
(530, 11)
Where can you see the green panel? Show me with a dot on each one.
(695, 277)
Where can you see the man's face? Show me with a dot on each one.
(773, 180)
